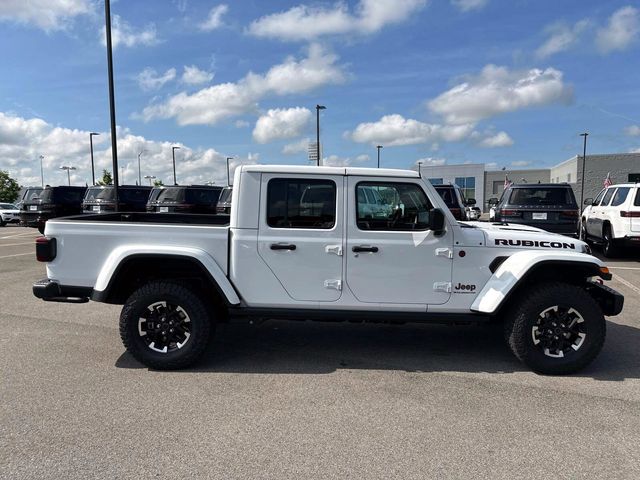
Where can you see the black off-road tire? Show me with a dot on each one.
(610, 248)
(2, 223)
(201, 325)
(523, 316)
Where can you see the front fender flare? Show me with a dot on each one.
(121, 254)
(516, 268)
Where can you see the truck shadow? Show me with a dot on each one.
(321, 348)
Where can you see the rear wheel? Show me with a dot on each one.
(2, 222)
(165, 325)
(555, 329)
(609, 246)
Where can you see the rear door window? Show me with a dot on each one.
(607, 197)
(301, 203)
(620, 197)
(599, 197)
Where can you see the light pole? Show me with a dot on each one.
(228, 178)
(150, 177)
(112, 101)
(318, 108)
(378, 147)
(584, 161)
(68, 169)
(139, 171)
(93, 173)
(41, 170)
(173, 154)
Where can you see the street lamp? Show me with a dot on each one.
(139, 174)
(68, 169)
(173, 154)
(112, 102)
(93, 173)
(42, 170)
(379, 147)
(584, 161)
(228, 180)
(150, 177)
(318, 108)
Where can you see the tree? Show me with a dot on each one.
(9, 188)
(158, 183)
(107, 179)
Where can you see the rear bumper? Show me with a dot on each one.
(34, 219)
(631, 240)
(52, 291)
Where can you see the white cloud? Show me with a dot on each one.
(241, 124)
(393, 130)
(561, 37)
(281, 123)
(149, 79)
(194, 76)
(621, 30)
(22, 141)
(301, 146)
(48, 15)
(214, 19)
(496, 90)
(124, 34)
(430, 162)
(500, 139)
(633, 130)
(310, 22)
(217, 102)
(468, 5)
(520, 163)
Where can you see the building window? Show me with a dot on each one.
(436, 181)
(498, 186)
(568, 178)
(468, 186)
(634, 177)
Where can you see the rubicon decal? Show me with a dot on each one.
(534, 243)
(464, 288)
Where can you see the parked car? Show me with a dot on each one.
(613, 218)
(224, 202)
(549, 206)
(131, 198)
(454, 199)
(27, 193)
(9, 213)
(185, 199)
(473, 212)
(178, 275)
(51, 202)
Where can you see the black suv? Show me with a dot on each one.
(131, 198)
(50, 202)
(184, 199)
(454, 199)
(549, 206)
(224, 202)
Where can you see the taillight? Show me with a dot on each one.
(506, 212)
(183, 208)
(635, 214)
(45, 249)
(569, 213)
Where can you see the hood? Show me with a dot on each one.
(504, 235)
(10, 210)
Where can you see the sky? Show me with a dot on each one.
(506, 83)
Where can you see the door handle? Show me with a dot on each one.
(282, 246)
(362, 248)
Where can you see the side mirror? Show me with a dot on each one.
(471, 201)
(492, 201)
(436, 221)
(588, 201)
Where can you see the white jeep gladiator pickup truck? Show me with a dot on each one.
(305, 243)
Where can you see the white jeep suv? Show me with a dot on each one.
(613, 218)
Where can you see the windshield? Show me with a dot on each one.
(171, 194)
(541, 196)
(44, 196)
(139, 194)
(31, 193)
(92, 193)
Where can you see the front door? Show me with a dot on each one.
(301, 234)
(391, 255)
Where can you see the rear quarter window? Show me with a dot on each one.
(620, 196)
(636, 200)
(607, 197)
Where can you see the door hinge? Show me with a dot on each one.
(337, 249)
(333, 284)
(444, 252)
(442, 287)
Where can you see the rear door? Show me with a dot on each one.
(591, 225)
(601, 210)
(634, 209)
(300, 234)
(395, 258)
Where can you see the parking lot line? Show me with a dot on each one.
(15, 244)
(624, 268)
(24, 234)
(626, 283)
(17, 255)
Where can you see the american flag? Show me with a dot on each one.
(507, 182)
(607, 181)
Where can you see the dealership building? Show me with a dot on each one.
(482, 184)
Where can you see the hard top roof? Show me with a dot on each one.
(313, 170)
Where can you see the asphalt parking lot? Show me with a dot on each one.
(304, 400)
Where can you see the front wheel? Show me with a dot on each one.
(555, 329)
(165, 325)
(609, 247)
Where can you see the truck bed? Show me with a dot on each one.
(151, 217)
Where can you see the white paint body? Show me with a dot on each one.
(413, 271)
(606, 210)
